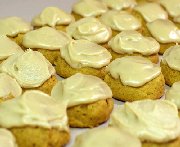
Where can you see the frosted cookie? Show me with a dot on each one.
(170, 65)
(120, 21)
(132, 43)
(90, 29)
(9, 88)
(88, 8)
(14, 28)
(47, 41)
(53, 17)
(88, 98)
(134, 78)
(106, 137)
(154, 122)
(82, 56)
(31, 70)
(35, 119)
(165, 32)
(7, 139)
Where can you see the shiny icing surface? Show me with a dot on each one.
(172, 6)
(9, 87)
(133, 42)
(81, 89)
(106, 137)
(52, 16)
(12, 26)
(133, 71)
(90, 29)
(173, 94)
(171, 57)
(149, 120)
(168, 32)
(8, 47)
(33, 108)
(120, 20)
(151, 11)
(7, 139)
(87, 8)
(45, 38)
(83, 53)
(30, 69)
(119, 4)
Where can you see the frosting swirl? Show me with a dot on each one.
(83, 53)
(90, 29)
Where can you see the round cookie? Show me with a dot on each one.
(134, 78)
(28, 120)
(170, 65)
(89, 100)
(82, 56)
(132, 43)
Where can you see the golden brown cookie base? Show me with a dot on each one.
(170, 75)
(90, 115)
(47, 86)
(76, 16)
(10, 96)
(61, 28)
(40, 137)
(174, 143)
(65, 70)
(164, 47)
(151, 90)
(177, 24)
(18, 39)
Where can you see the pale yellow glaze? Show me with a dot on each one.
(30, 69)
(119, 4)
(133, 71)
(164, 31)
(83, 53)
(81, 89)
(133, 42)
(120, 20)
(90, 29)
(106, 137)
(88, 8)
(8, 47)
(171, 57)
(45, 38)
(52, 16)
(149, 120)
(7, 139)
(33, 108)
(12, 26)
(151, 11)
(9, 86)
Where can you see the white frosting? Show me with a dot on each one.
(12, 26)
(90, 29)
(151, 11)
(45, 38)
(81, 89)
(150, 120)
(119, 4)
(133, 42)
(30, 69)
(106, 137)
(8, 47)
(9, 87)
(171, 57)
(168, 32)
(133, 71)
(88, 8)
(172, 6)
(120, 20)
(33, 108)
(7, 139)
(52, 16)
(173, 94)
(83, 53)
